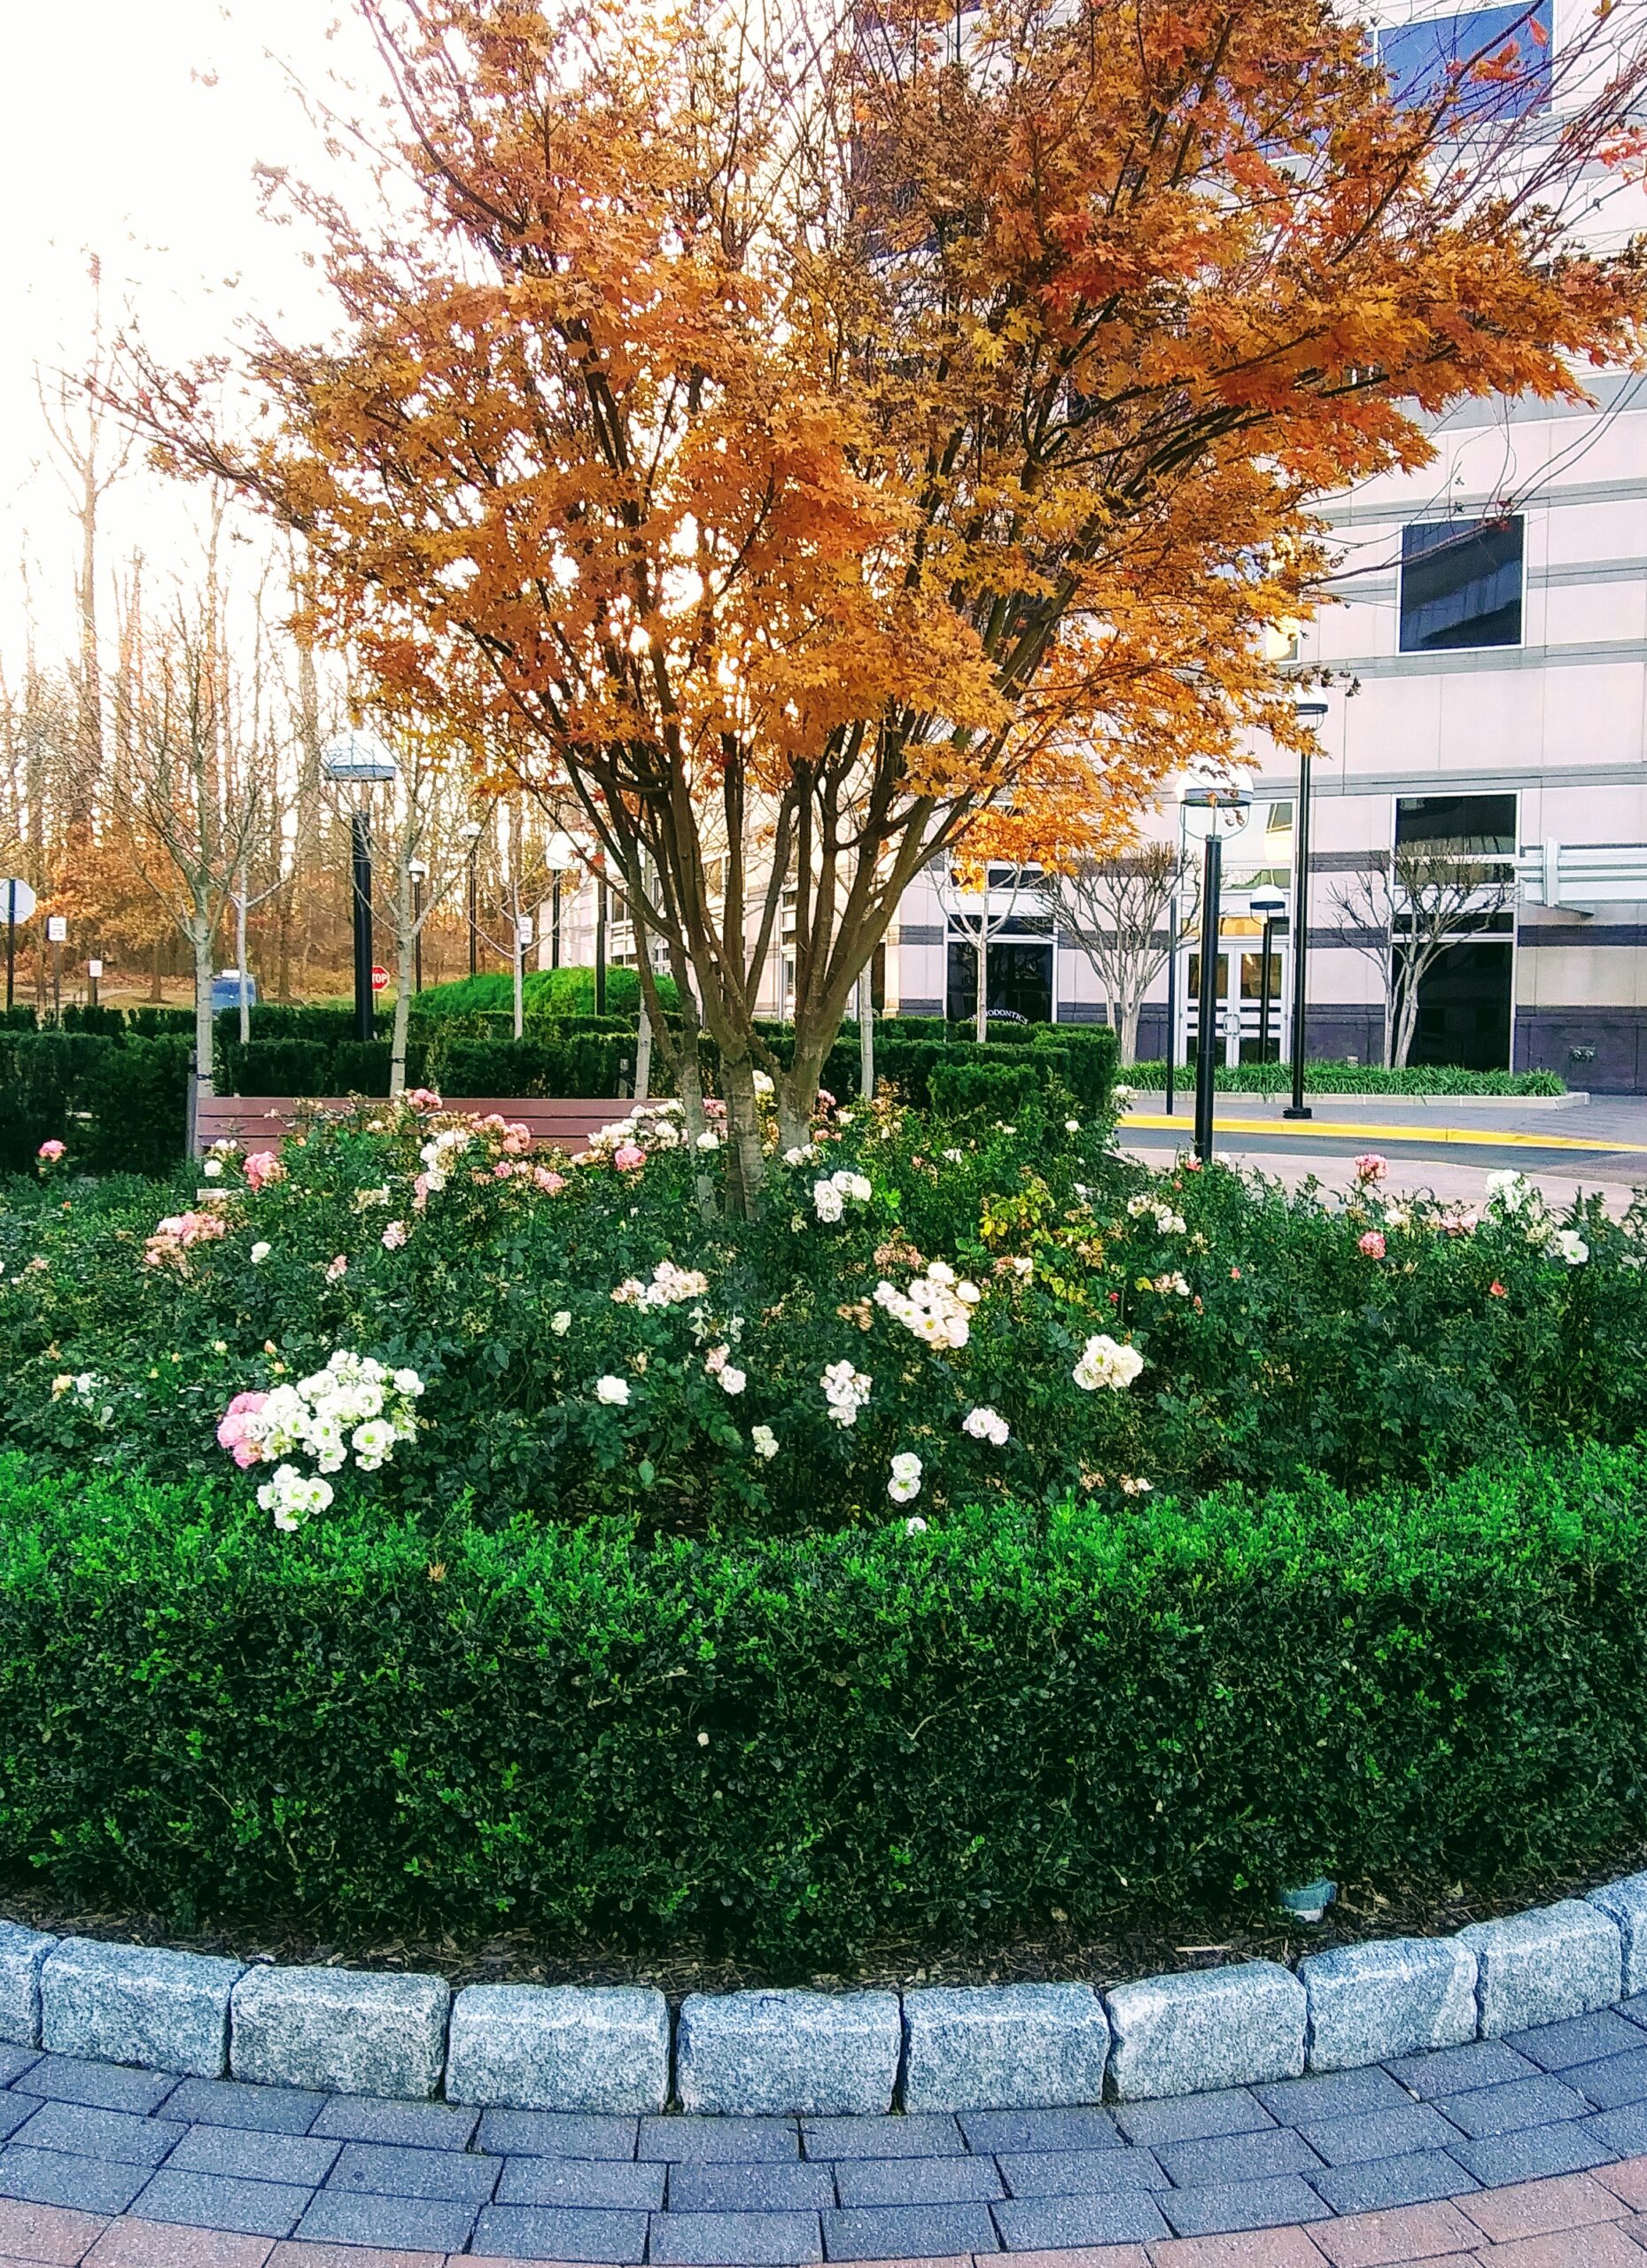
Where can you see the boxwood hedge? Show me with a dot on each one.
(801, 1748)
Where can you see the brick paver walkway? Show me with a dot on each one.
(1528, 2153)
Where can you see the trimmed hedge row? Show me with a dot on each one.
(120, 1104)
(1358, 1079)
(803, 1748)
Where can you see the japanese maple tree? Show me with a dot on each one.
(789, 434)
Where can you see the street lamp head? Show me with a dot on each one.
(560, 854)
(472, 831)
(356, 760)
(418, 869)
(1214, 791)
(1313, 713)
(1267, 903)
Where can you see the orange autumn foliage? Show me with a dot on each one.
(801, 435)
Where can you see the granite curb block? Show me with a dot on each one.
(826, 2054)
(605, 2051)
(137, 2003)
(559, 2048)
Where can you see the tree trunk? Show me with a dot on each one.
(200, 938)
(155, 992)
(746, 1173)
(798, 1099)
(866, 1036)
(240, 963)
(1127, 1033)
(983, 974)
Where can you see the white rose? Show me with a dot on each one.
(611, 1390)
(259, 1253)
(764, 1441)
(732, 1379)
(560, 1322)
(709, 1141)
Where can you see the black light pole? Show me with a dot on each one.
(1206, 1015)
(360, 874)
(555, 924)
(1311, 713)
(1172, 997)
(600, 941)
(419, 874)
(1270, 907)
(474, 942)
(11, 945)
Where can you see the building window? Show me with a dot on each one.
(1498, 57)
(1461, 584)
(1475, 827)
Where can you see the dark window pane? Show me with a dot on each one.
(1461, 584)
(1020, 981)
(1483, 827)
(1497, 58)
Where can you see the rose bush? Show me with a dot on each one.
(983, 1309)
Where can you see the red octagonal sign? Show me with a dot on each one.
(380, 977)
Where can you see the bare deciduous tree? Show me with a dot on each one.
(1116, 909)
(1407, 908)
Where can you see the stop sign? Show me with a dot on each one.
(380, 977)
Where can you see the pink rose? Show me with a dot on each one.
(1372, 1244)
(501, 1170)
(337, 1268)
(394, 1236)
(262, 1166)
(420, 1192)
(517, 1139)
(629, 1159)
(422, 1098)
(547, 1182)
(51, 1152)
(1372, 1167)
(234, 1433)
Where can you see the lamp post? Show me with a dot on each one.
(1221, 801)
(356, 761)
(561, 858)
(472, 834)
(600, 935)
(418, 869)
(1312, 713)
(1269, 905)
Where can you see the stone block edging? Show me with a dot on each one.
(606, 2048)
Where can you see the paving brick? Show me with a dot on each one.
(907, 2231)
(1075, 2174)
(1332, 2094)
(231, 2103)
(14, 2061)
(1615, 2080)
(373, 2170)
(743, 2141)
(1602, 2246)
(1038, 2130)
(414, 2223)
(770, 2187)
(734, 2239)
(131, 2244)
(1238, 2157)
(213, 2200)
(1624, 2131)
(54, 2177)
(1085, 2255)
(557, 2135)
(1579, 2039)
(1535, 2208)
(15, 2110)
(1415, 2179)
(1283, 2202)
(1531, 2152)
(1504, 2110)
(1407, 2232)
(917, 2182)
(545, 2232)
(42, 2233)
(412, 2125)
(101, 2086)
(1627, 2181)
(1267, 2249)
(927, 2134)
(587, 2182)
(1048, 2223)
(1381, 2134)
(250, 2156)
(348, 2256)
(114, 2135)
(1193, 2117)
(1454, 2070)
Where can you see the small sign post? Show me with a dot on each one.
(57, 934)
(94, 970)
(20, 906)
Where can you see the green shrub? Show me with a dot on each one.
(138, 1095)
(804, 1750)
(584, 1063)
(545, 991)
(111, 1022)
(1000, 1090)
(1358, 1079)
(155, 1023)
